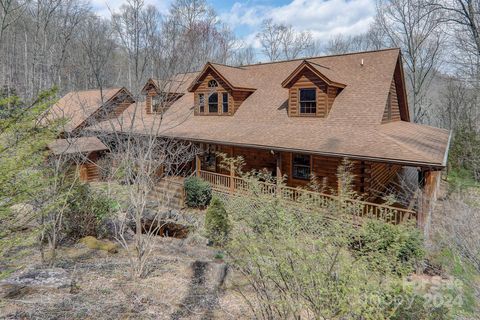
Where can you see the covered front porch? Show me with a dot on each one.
(370, 180)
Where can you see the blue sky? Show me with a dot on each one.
(323, 18)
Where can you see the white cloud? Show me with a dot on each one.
(243, 14)
(323, 18)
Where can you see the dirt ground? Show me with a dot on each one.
(184, 282)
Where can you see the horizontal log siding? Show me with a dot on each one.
(118, 109)
(379, 175)
(308, 79)
(367, 176)
(148, 101)
(254, 159)
(89, 170)
(395, 106)
(332, 94)
(236, 99)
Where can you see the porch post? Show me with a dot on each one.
(232, 175)
(279, 167)
(278, 172)
(198, 164)
(427, 200)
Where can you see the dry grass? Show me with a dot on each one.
(183, 283)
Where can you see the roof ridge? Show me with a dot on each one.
(95, 89)
(226, 65)
(324, 56)
(318, 64)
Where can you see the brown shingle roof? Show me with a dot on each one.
(77, 106)
(178, 84)
(353, 127)
(76, 145)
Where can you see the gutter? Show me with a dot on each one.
(445, 157)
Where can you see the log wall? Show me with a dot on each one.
(325, 94)
(368, 177)
(395, 109)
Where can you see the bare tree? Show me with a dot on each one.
(243, 56)
(10, 11)
(373, 39)
(98, 45)
(414, 27)
(458, 106)
(134, 33)
(281, 41)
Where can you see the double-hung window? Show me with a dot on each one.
(301, 166)
(225, 102)
(213, 103)
(308, 101)
(201, 103)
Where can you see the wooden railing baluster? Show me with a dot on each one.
(232, 184)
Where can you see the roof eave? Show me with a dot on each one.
(445, 156)
(411, 163)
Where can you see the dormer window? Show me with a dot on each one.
(201, 103)
(225, 102)
(157, 104)
(312, 89)
(308, 101)
(224, 88)
(213, 103)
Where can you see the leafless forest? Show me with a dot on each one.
(64, 44)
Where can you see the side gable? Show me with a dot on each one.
(110, 109)
(401, 90)
(82, 108)
(392, 110)
(396, 106)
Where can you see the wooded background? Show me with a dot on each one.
(63, 43)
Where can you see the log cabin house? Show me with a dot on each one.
(298, 119)
(77, 110)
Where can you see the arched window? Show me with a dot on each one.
(212, 84)
(213, 103)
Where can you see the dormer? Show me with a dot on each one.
(160, 94)
(312, 90)
(220, 90)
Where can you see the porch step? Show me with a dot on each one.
(169, 193)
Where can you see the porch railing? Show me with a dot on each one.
(354, 207)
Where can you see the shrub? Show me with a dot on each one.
(93, 243)
(198, 192)
(398, 247)
(217, 225)
(88, 213)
